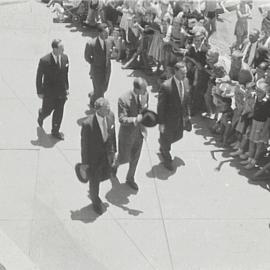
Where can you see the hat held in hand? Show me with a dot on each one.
(149, 118)
(81, 172)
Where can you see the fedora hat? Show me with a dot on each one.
(81, 173)
(149, 118)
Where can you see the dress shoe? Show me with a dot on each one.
(40, 122)
(133, 185)
(98, 208)
(168, 165)
(58, 135)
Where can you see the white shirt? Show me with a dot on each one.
(101, 41)
(55, 58)
(180, 88)
(103, 126)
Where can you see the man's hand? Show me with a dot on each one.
(41, 96)
(161, 128)
(67, 92)
(138, 119)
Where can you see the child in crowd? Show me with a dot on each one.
(258, 138)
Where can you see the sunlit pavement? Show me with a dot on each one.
(204, 215)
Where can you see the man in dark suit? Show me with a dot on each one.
(98, 147)
(97, 54)
(52, 86)
(130, 137)
(249, 47)
(173, 111)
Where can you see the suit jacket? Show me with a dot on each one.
(98, 58)
(129, 132)
(94, 151)
(52, 81)
(171, 109)
(244, 48)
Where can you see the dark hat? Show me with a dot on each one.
(81, 173)
(149, 118)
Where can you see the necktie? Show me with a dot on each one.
(58, 61)
(105, 131)
(138, 104)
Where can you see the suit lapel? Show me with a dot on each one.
(96, 127)
(175, 90)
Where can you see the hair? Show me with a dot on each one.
(55, 43)
(226, 100)
(255, 30)
(101, 27)
(262, 55)
(263, 85)
(100, 103)
(263, 66)
(139, 82)
(179, 64)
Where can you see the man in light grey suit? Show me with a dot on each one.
(130, 137)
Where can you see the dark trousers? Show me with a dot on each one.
(100, 80)
(100, 171)
(165, 146)
(134, 158)
(55, 105)
(130, 153)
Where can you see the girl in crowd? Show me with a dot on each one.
(241, 27)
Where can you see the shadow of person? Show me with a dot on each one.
(119, 196)
(2, 267)
(161, 173)
(263, 182)
(87, 213)
(43, 139)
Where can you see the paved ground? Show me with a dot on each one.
(204, 215)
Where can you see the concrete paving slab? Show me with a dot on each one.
(146, 232)
(76, 245)
(17, 184)
(17, 119)
(219, 244)
(9, 251)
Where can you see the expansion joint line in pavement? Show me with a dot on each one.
(160, 208)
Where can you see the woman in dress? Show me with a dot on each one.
(243, 13)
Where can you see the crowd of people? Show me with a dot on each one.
(170, 39)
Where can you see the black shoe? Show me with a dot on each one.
(58, 135)
(133, 185)
(40, 122)
(98, 208)
(168, 165)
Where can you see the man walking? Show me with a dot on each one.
(98, 147)
(173, 111)
(97, 54)
(130, 137)
(52, 86)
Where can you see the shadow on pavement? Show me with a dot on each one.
(43, 139)
(201, 127)
(119, 196)
(87, 214)
(161, 173)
